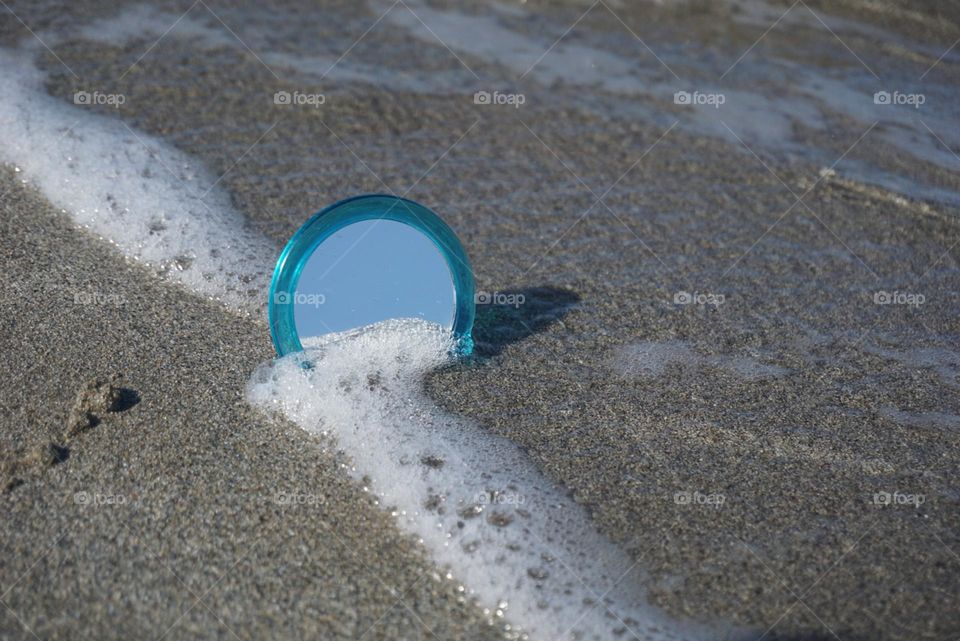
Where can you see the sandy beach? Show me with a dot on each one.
(736, 351)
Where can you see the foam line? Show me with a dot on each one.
(152, 201)
(522, 547)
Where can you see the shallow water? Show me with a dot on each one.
(206, 198)
(784, 105)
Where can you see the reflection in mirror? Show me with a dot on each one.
(370, 271)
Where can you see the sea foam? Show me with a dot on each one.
(156, 204)
(520, 545)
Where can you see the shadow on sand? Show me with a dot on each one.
(511, 315)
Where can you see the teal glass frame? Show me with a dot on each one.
(293, 258)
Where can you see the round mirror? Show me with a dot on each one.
(365, 260)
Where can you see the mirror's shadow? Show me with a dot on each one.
(509, 316)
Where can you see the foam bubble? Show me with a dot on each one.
(156, 204)
(523, 548)
(143, 22)
(649, 359)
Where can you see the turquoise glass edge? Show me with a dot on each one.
(328, 220)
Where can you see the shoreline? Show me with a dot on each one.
(190, 507)
(712, 358)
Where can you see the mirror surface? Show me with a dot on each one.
(370, 271)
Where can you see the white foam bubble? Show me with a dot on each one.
(523, 548)
(204, 31)
(156, 204)
(134, 22)
(944, 361)
(650, 359)
(933, 420)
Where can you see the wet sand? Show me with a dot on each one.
(187, 513)
(784, 459)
